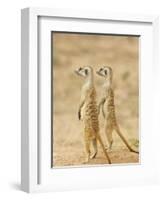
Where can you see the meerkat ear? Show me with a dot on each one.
(86, 71)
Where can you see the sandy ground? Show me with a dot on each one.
(71, 51)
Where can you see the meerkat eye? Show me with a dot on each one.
(105, 71)
(80, 69)
(86, 71)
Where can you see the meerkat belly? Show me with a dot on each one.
(110, 116)
(91, 119)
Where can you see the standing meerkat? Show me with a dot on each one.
(109, 113)
(90, 113)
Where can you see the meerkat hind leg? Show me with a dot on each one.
(109, 136)
(87, 149)
(94, 144)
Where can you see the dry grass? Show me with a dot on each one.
(74, 50)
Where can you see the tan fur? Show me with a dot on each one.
(109, 113)
(90, 116)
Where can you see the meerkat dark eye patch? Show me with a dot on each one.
(105, 71)
(80, 69)
(86, 71)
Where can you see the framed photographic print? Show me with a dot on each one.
(88, 100)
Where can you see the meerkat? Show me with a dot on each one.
(90, 114)
(109, 112)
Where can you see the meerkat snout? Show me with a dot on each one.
(77, 71)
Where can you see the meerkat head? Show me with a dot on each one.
(85, 72)
(105, 72)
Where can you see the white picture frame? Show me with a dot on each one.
(36, 172)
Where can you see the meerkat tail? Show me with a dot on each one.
(124, 140)
(103, 148)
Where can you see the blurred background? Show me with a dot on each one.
(71, 51)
